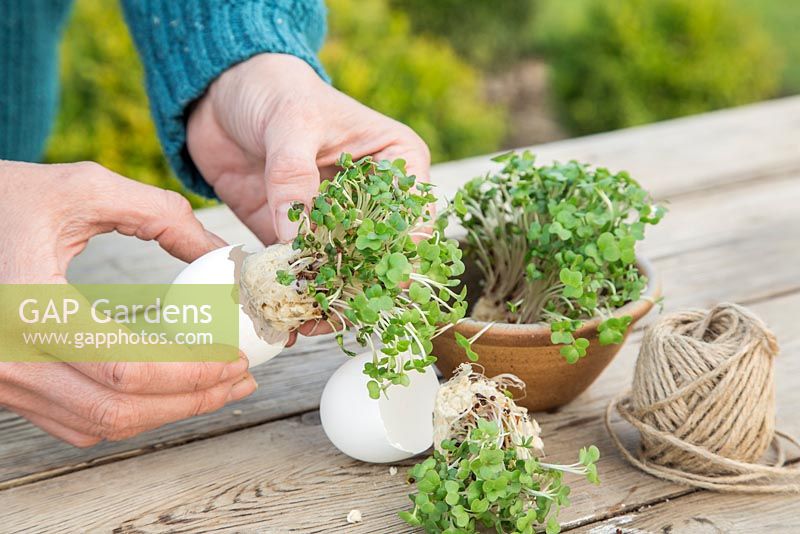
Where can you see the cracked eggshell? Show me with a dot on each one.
(222, 266)
(393, 428)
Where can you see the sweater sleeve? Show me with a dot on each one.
(29, 34)
(186, 44)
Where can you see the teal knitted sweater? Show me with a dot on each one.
(184, 46)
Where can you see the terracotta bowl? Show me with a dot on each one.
(525, 349)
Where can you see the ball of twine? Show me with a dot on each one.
(703, 401)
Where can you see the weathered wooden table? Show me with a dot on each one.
(732, 180)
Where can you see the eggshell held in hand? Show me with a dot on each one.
(397, 426)
(219, 267)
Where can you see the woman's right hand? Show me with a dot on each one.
(48, 213)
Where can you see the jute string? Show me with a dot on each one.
(703, 401)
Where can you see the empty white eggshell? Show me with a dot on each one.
(397, 426)
(217, 267)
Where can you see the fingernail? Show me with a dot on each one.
(217, 240)
(242, 388)
(234, 368)
(286, 229)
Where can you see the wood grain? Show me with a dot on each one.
(285, 476)
(732, 234)
(289, 385)
(707, 513)
(696, 269)
(671, 158)
(674, 157)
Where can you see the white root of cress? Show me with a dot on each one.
(271, 305)
(502, 260)
(488, 311)
(470, 396)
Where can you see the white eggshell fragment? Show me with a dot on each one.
(220, 267)
(397, 426)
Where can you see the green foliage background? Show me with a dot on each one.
(490, 34)
(613, 63)
(778, 18)
(630, 62)
(781, 19)
(103, 112)
(371, 55)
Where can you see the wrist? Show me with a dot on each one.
(240, 104)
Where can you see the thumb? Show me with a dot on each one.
(149, 213)
(292, 176)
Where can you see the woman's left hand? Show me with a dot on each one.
(270, 128)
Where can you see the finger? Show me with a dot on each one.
(19, 399)
(122, 415)
(162, 377)
(292, 339)
(148, 412)
(416, 154)
(56, 429)
(113, 423)
(246, 196)
(412, 149)
(323, 326)
(153, 411)
(291, 176)
(149, 213)
(315, 328)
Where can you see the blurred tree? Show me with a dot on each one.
(490, 34)
(781, 19)
(629, 62)
(372, 55)
(103, 113)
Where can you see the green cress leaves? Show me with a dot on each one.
(370, 266)
(556, 244)
(475, 484)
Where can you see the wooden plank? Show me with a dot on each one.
(669, 158)
(291, 384)
(712, 218)
(746, 251)
(285, 477)
(708, 513)
(728, 244)
(112, 254)
(677, 156)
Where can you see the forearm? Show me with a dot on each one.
(186, 45)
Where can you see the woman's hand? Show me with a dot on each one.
(269, 128)
(48, 213)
